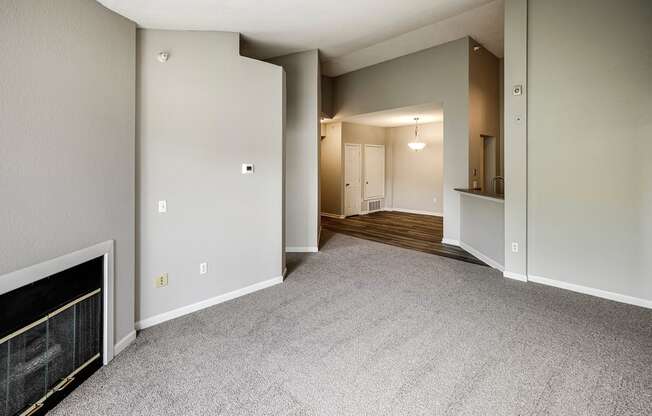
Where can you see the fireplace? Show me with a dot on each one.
(51, 337)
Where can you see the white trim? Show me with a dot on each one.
(185, 310)
(31, 274)
(450, 241)
(414, 211)
(515, 276)
(491, 262)
(326, 214)
(124, 343)
(644, 303)
(301, 249)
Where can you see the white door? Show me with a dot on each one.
(374, 171)
(352, 180)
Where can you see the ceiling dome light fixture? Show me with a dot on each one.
(417, 144)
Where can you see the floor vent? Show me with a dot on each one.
(373, 205)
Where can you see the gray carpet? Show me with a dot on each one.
(363, 328)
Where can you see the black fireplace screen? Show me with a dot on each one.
(44, 357)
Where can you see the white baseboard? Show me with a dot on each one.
(124, 343)
(491, 262)
(450, 242)
(644, 303)
(185, 310)
(515, 276)
(413, 211)
(326, 214)
(301, 249)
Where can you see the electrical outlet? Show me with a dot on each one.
(203, 268)
(162, 206)
(514, 247)
(161, 280)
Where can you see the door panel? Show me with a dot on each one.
(374, 168)
(352, 179)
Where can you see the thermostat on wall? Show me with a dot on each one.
(247, 168)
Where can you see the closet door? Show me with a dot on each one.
(374, 171)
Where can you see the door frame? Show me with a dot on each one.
(360, 173)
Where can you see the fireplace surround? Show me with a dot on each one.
(56, 328)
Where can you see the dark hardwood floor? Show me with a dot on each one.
(412, 231)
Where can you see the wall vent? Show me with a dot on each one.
(373, 205)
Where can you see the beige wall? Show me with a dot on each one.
(415, 179)
(195, 129)
(67, 121)
(484, 108)
(331, 169)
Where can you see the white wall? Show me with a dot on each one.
(67, 117)
(302, 134)
(201, 115)
(590, 144)
(415, 179)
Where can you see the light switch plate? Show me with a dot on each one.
(203, 268)
(247, 168)
(162, 206)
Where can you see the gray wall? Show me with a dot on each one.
(483, 227)
(201, 115)
(302, 134)
(67, 113)
(590, 144)
(438, 74)
(515, 124)
(326, 97)
(415, 178)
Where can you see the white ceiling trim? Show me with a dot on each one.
(484, 24)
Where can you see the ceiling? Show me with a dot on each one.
(277, 27)
(427, 113)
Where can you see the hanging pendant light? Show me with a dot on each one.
(417, 144)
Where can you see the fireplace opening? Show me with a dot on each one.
(50, 338)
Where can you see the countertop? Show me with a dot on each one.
(482, 194)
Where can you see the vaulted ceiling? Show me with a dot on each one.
(350, 34)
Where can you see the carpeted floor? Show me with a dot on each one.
(363, 328)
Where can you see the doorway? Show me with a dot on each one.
(382, 178)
